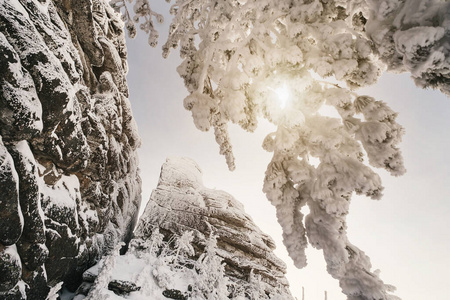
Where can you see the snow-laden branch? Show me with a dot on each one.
(238, 53)
(247, 50)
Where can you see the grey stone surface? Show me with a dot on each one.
(10, 268)
(121, 287)
(69, 181)
(10, 213)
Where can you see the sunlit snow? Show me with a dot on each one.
(283, 95)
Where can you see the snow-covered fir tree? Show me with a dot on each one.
(241, 57)
(209, 274)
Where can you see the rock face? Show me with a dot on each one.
(181, 203)
(69, 181)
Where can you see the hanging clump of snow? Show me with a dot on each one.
(413, 36)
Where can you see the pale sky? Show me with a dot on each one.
(405, 234)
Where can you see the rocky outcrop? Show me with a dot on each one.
(191, 243)
(181, 203)
(69, 182)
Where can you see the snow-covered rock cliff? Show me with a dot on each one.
(69, 183)
(191, 243)
(181, 203)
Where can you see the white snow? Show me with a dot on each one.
(22, 288)
(12, 252)
(154, 273)
(43, 7)
(18, 6)
(53, 293)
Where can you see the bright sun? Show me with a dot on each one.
(283, 95)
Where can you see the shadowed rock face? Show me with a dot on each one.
(69, 183)
(181, 203)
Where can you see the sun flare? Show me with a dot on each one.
(283, 95)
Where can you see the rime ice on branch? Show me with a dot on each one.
(238, 54)
(249, 49)
(413, 36)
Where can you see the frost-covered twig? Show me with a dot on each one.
(143, 15)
